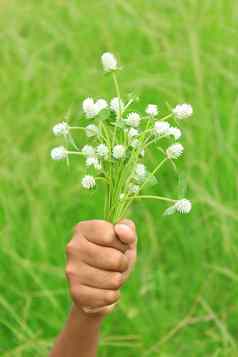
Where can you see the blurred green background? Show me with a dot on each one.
(182, 298)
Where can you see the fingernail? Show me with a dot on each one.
(123, 227)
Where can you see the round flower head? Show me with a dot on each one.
(109, 62)
(93, 161)
(152, 110)
(88, 150)
(88, 182)
(58, 153)
(161, 128)
(61, 129)
(183, 111)
(140, 172)
(183, 206)
(134, 189)
(132, 132)
(118, 151)
(101, 104)
(89, 108)
(174, 151)
(135, 143)
(114, 105)
(102, 150)
(91, 130)
(175, 132)
(133, 119)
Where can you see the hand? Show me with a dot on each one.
(100, 259)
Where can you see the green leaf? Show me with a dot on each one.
(169, 211)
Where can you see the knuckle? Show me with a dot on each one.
(70, 247)
(69, 271)
(117, 281)
(110, 297)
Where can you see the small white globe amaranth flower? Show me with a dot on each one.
(140, 172)
(161, 128)
(132, 132)
(102, 151)
(89, 108)
(135, 143)
(174, 151)
(58, 153)
(93, 161)
(119, 151)
(91, 130)
(88, 150)
(61, 129)
(133, 120)
(183, 111)
(152, 110)
(114, 105)
(175, 132)
(88, 182)
(109, 62)
(101, 104)
(134, 189)
(183, 206)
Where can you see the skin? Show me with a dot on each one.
(100, 258)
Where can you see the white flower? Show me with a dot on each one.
(101, 104)
(152, 110)
(161, 128)
(88, 182)
(89, 108)
(142, 153)
(140, 172)
(102, 150)
(109, 62)
(174, 151)
(114, 104)
(135, 143)
(118, 151)
(58, 153)
(134, 189)
(133, 119)
(175, 132)
(91, 130)
(93, 161)
(88, 150)
(183, 111)
(61, 129)
(183, 206)
(133, 132)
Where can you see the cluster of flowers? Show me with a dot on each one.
(118, 143)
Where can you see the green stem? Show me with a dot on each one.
(155, 198)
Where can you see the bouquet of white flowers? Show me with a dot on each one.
(119, 141)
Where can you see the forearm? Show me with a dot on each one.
(79, 337)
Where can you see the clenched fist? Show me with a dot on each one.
(100, 259)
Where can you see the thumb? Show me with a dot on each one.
(126, 231)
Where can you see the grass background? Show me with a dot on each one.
(182, 298)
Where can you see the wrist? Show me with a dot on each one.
(78, 315)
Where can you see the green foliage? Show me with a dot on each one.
(182, 298)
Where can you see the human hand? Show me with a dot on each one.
(100, 257)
